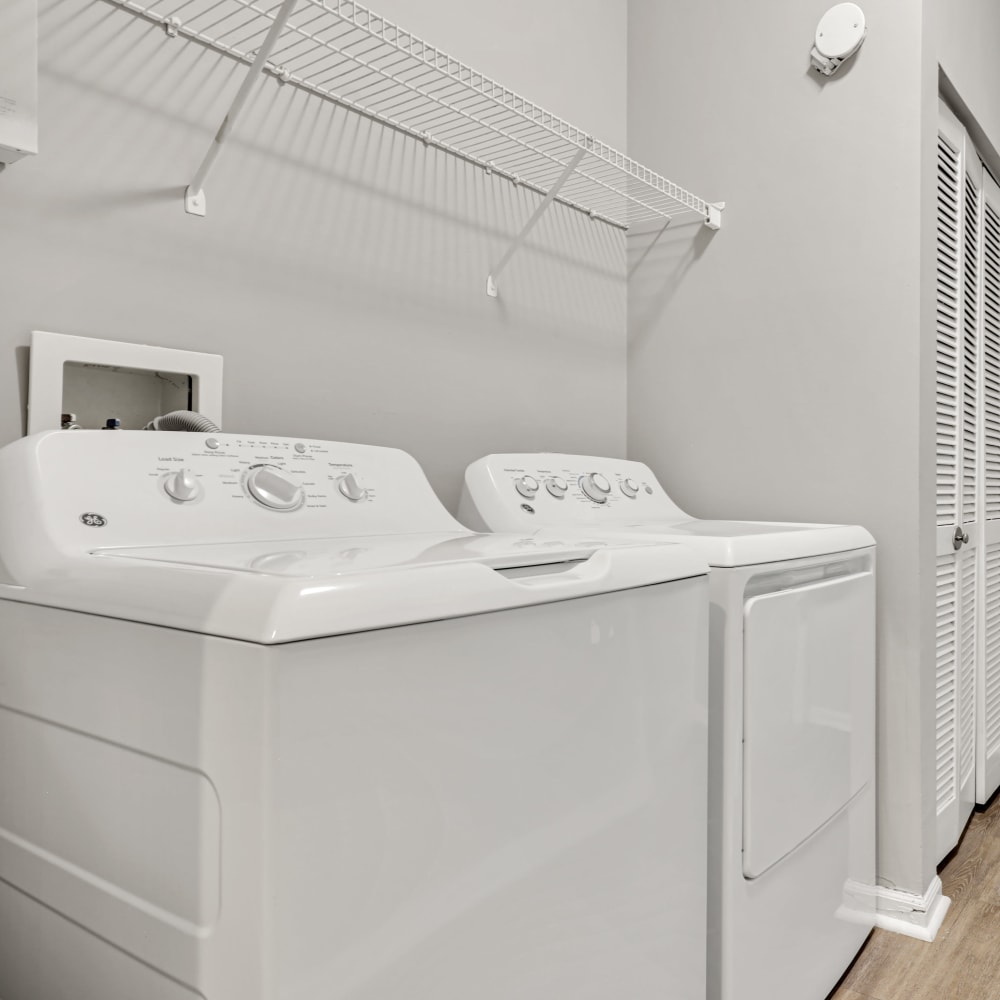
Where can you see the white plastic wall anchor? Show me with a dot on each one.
(172, 26)
(194, 202)
(491, 287)
(714, 218)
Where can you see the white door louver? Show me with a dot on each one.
(990, 741)
(948, 291)
(988, 689)
(946, 736)
(959, 436)
(967, 686)
(970, 350)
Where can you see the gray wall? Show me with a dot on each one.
(775, 368)
(341, 268)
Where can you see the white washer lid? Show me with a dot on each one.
(298, 589)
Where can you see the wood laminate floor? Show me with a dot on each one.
(963, 962)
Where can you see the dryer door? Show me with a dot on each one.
(809, 707)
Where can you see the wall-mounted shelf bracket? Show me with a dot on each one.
(714, 218)
(194, 196)
(518, 241)
(194, 202)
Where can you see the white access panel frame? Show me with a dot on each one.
(51, 351)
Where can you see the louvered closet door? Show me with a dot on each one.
(958, 487)
(988, 694)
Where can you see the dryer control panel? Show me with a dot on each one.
(97, 489)
(518, 492)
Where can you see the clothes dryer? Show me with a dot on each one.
(274, 726)
(792, 711)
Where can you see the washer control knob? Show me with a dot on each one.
(556, 486)
(527, 486)
(351, 488)
(595, 487)
(273, 490)
(182, 486)
(629, 488)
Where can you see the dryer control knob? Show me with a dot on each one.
(595, 487)
(629, 488)
(556, 486)
(351, 488)
(273, 490)
(182, 486)
(527, 486)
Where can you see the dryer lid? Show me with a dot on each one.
(747, 543)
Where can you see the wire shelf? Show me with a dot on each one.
(346, 53)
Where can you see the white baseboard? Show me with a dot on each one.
(911, 913)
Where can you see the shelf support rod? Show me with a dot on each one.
(194, 196)
(491, 280)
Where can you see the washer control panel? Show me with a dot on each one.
(277, 475)
(154, 487)
(561, 490)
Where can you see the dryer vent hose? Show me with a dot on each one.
(183, 420)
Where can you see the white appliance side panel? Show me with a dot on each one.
(808, 708)
(508, 806)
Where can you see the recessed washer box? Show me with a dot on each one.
(18, 79)
(96, 379)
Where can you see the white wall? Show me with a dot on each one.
(775, 367)
(341, 268)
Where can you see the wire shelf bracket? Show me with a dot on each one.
(342, 52)
(518, 241)
(194, 195)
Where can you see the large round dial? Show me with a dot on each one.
(527, 486)
(595, 487)
(271, 489)
(182, 486)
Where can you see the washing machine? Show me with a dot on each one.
(792, 712)
(275, 726)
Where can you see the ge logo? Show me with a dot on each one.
(93, 520)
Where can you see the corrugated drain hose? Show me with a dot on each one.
(182, 420)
